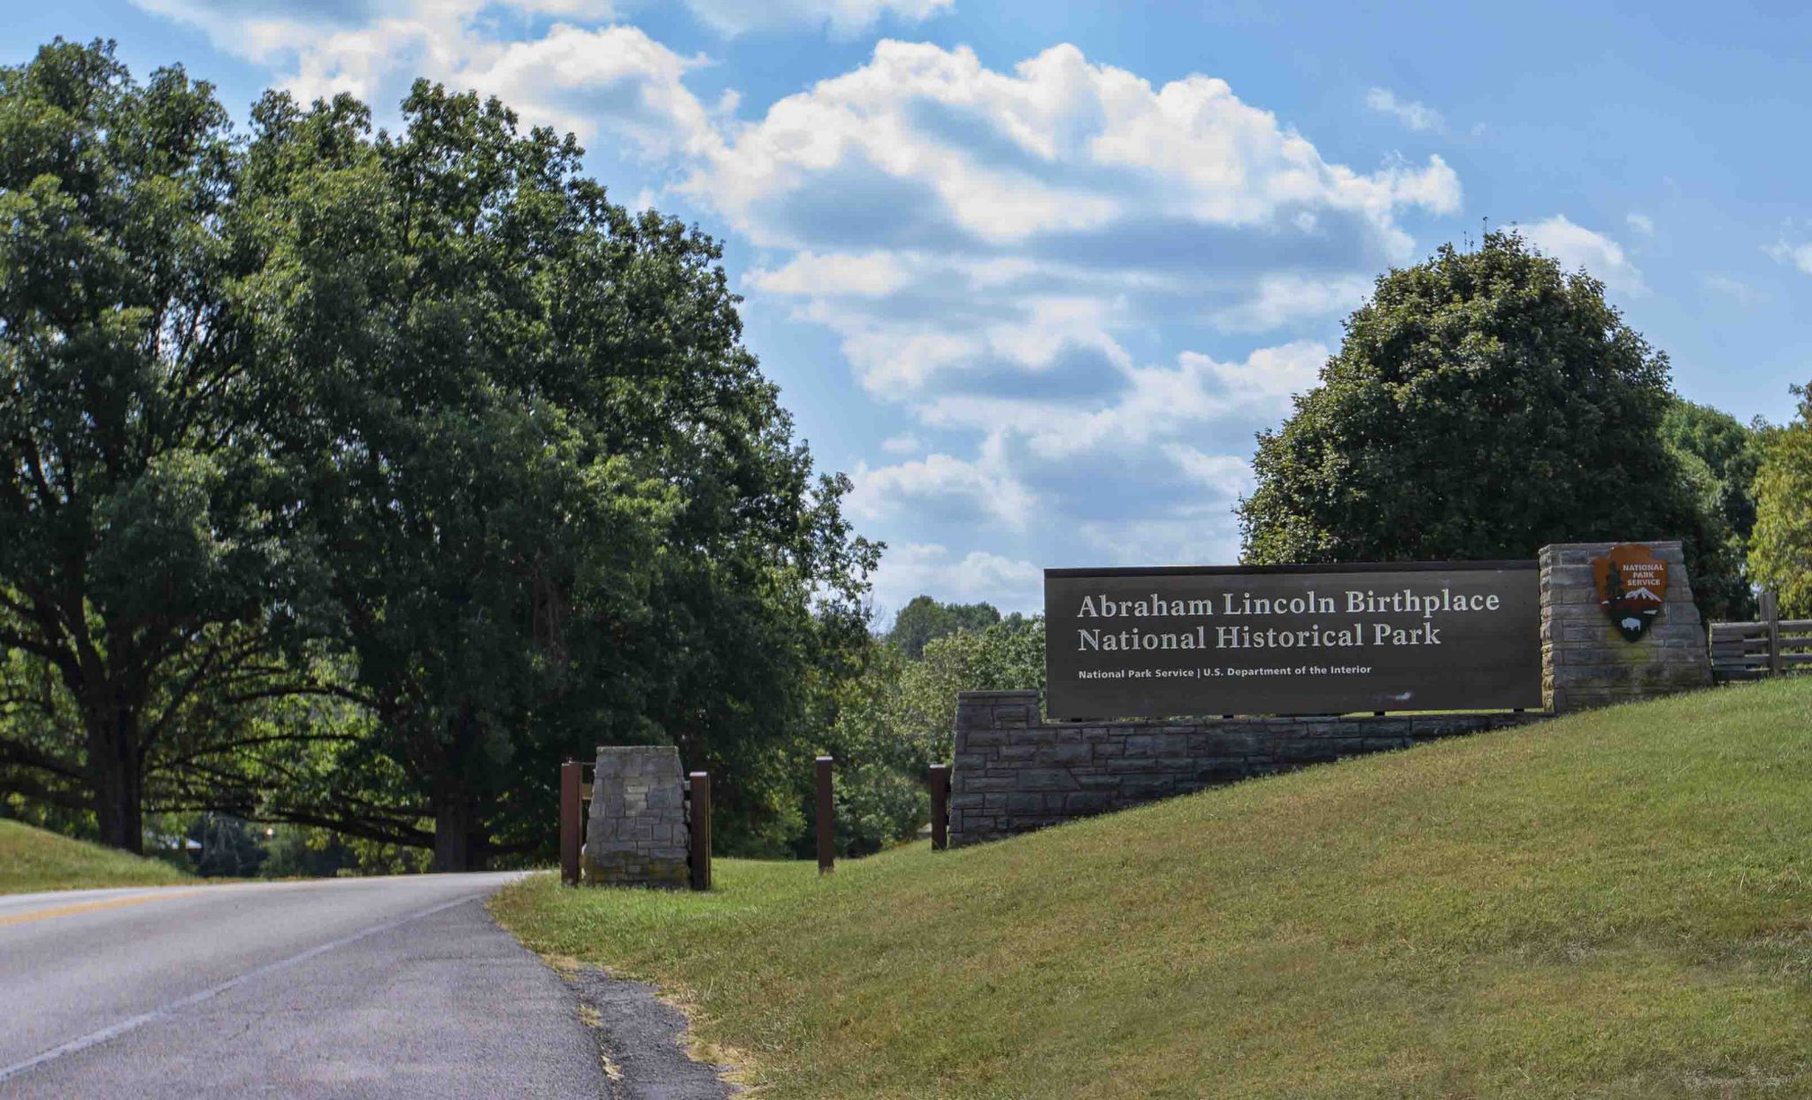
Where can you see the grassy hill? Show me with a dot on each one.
(1615, 904)
(32, 859)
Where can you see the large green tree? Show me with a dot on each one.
(1721, 456)
(1780, 547)
(141, 529)
(1482, 404)
(924, 619)
(558, 503)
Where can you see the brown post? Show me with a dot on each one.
(827, 832)
(1771, 616)
(572, 819)
(940, 807)
(698, 852)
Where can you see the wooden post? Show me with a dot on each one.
(827, 832)
(1771, 616)
(698, 822)
(572, 819)
(940, 807)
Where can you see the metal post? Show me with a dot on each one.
(1771, 615)
(940, 807)
(572, 820)
(827, 833)
(699, 824)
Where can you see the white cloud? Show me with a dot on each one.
(841, 17)
(1414, 115)
(1227, 475)
(945, 485)
(1641, 223)
(1576, 246)
(1735, 289)
(1161, 403)
(1287, 297)
(1059, 145)
(1795, 255)
(1150, 405)
(903, 444)
(870, 275)
(588, 80)
(911, 569)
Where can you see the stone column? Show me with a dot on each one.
(1585, 660)
(637, 832)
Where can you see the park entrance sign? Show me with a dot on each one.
(1322, 639)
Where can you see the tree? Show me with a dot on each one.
(1780, 547)
(924, 619)
(898, 717)
(141, 530)
(559, 504)
(1721, 456)
(1482, 405)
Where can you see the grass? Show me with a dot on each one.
(1613, 904)
(32, 860)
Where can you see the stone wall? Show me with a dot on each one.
(1585, 660)
(637, 832)
(1014, 772)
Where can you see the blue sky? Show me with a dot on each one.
(1034, 274)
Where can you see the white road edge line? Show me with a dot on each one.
(134, 1023)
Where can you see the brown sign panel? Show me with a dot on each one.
(1632, 587)
(1325, 639)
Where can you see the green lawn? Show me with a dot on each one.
(32, 859)
(1616, 904)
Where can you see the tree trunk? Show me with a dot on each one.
(459, 838)
(117, 775)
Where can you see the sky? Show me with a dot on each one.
(1033, 275)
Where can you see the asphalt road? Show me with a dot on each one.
(394, 987)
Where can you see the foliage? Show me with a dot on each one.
(923, 619)
(1578, 908)
(141, 526)
(445, 468)
(1780, 549)
(897, 718)
(1482, 405)
(562, 504)
(1720, 457)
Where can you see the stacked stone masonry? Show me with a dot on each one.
(637, 833)
(1014, 772)
(1585, 660)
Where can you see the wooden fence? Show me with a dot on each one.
(1750, 651)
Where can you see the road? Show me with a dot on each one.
(391, 987)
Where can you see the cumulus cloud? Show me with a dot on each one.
(1641, 223)
(841, 17)
(589, 80)
(1795, 255)
(1058, 146)
(1578, 247)
(1735, 289)
(983, 487)
(1414, 115)
(1286, 297)
(911, 569)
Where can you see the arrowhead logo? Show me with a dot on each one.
(1632, 587)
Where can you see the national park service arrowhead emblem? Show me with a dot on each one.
(1632, 587)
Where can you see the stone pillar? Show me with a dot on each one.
(1585, 660)
(637, 832)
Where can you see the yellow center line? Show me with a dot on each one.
(90, 907)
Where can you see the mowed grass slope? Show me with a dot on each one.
(32, 859)
(1614, 904)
